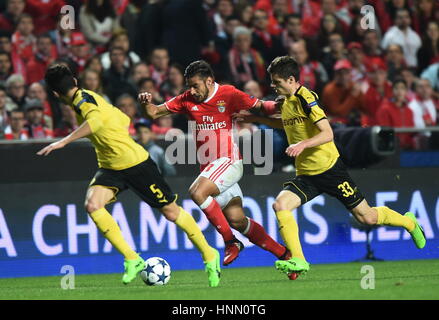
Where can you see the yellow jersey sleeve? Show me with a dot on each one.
(115, 149)
(310, 104)
(88, 108)
(300, 113)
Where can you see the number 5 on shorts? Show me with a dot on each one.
(158, 193)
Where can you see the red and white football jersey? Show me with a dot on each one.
(213, 120)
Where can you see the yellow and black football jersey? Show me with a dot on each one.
(300, 113)
(115, 149)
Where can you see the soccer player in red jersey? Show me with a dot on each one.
(216, 190)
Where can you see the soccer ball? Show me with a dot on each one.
(157, 272)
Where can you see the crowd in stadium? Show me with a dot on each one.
(378, 69)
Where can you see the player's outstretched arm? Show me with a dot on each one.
(273, 121)
(324, 136)
(82, 131)
(152, 111)
(270, 107)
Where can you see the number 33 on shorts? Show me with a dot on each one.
(158, 193)
(346, 189)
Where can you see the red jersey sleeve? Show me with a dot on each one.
(241, 100)
(177, 104)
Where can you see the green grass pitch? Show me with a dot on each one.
(393, 280)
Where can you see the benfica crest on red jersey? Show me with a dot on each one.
(221, 105)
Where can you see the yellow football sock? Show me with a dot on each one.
(187, 223)
(289, 231)
(111, 231)
(388, 217)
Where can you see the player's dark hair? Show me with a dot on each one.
(284, 67)
(60, 79)
(198, 68)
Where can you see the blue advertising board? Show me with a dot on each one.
(43, 225)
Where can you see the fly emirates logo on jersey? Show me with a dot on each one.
(209, 124)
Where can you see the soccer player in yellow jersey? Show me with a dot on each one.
(123, 164)
(319, 168)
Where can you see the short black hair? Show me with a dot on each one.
(198, 68)
(284, 67)
(59, 78)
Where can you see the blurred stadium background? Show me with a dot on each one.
(379, 87)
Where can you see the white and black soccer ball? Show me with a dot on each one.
(157, 272)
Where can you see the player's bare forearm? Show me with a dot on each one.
(269, 107)
(324, 136)
(152, 111)
(319, 139)
(247, 117)
(273, 122)
(82, 131)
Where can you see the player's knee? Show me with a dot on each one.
(282, 204)
(92, 206)
(170, 211)
(238, 223)
(197, 195)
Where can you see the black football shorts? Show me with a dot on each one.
(144, 179)
(336, 182)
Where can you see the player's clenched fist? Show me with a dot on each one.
(144, 98)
